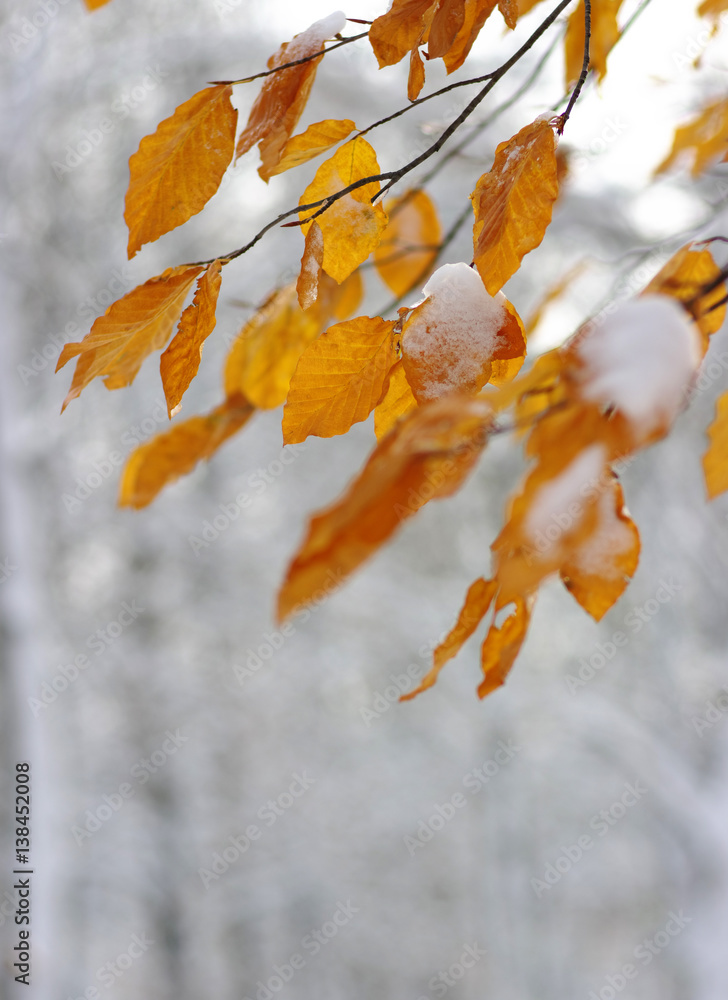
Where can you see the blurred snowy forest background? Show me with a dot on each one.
(322, 705)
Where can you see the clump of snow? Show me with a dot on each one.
(453, 331)
(642, 360)
(599, 554)
(560, 504)
(312, 38)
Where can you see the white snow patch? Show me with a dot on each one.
(552, 502)
(312, 38)
(598, 554)
(642, 360)
(455, 329)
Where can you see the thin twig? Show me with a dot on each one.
(296, 62)
(584, 68)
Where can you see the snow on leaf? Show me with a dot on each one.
(176, 171)
(409, 243)
(352, 227)
(451, 339)
(428, 455)
(512, 203)
(604, 36)
(283, 96)
(304, 147)
(398, 400)
(313, 255)
(598, 569)
(702, 140)
(180, 362)
(715, 460)
(683, 277)
(177, 451)
(477, 602)
(129, 330)
(339, 379)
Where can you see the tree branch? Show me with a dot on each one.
(584, 68)
(296, 62)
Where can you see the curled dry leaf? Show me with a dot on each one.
(129, 330)
(513, 202)
(352, 227)
(428, 455)
(180, 362)
(175, 452)
(176, 171)
(339, 379)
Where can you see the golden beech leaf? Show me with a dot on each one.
(416, 77)
(477, 602)
(339, 379)
(409, 243)
(703, 139)
(512, 203)
(428, 455)
(283, 96)
(352, 227)
(180, 362)
(604, 36)
(713, 9)
(502, 645)
(397, 32)
(598, 569)
(264, 356)
(315, 140)
(129, 330)
(177, 451)
(477, 13)
(398, 401)
(448, 20)
(451, 341)
(509, 10)
(683, 277)
(313, 256)
(524, 6)
(715, 460)
(176, 171)
(95, 4)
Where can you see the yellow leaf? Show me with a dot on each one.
(339, 379)
(477, 13)
(477, 601)
(683, 277)
(513, 202)
(129, 330)
(398, 401)
(95, 4)
(604, 36)
(713, 9)
(315, 140)
(502, 645)
(313, 255)
(352, 227)
(715, 460)
(180, 362)
(283, 96)
(428, 455)
(598, 569)
(177, 170)
(702, 140)
(177, 451)
(409, 243)
(396, 33)
(451, 340)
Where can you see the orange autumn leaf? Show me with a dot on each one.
(174, 453)
(264, 356)
(129, 330)
(509, 10)
(513, 202)
(604, 36)
(313, 257)
(339, 379)
(416, 77)
(477, 13)
(524, 6)
(180, 362)
(477, 602)
(352, 227)
(451, 341)
(95, 4)
(315, 140)
(428, 455)
(398, 400)
(683, 277)
(283, 96)
(502, 645)
(176, 171)
(397, 32)
(715, 460)
(409, 243)
(713, 9)
(702, 140)
(598, 569)
(448, 20)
